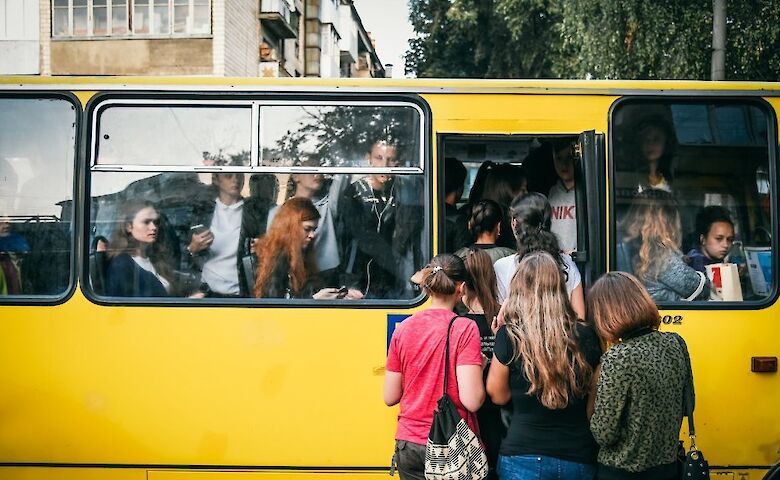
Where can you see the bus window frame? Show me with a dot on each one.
(76, 210)
(288, 98)
(772, 153)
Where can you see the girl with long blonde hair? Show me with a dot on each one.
(652, 242)
(543, 362)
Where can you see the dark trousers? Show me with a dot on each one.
(410, 460)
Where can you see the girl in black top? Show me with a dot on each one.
(480, 300)
(543, 361)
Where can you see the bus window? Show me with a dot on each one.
(173, 135)
(337, 135)
(692, 198)
(222, 228)
(37, 148)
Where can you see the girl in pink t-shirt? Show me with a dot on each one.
(415, 363)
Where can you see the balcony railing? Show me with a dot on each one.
(276, 16)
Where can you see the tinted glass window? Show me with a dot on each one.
(37, 145)
(692, 199)
(295, 228)
(338, 136)
(174, 135)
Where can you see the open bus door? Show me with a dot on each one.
(590, 176)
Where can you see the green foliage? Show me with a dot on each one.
(632, 39)
(753, 40)
(341, 136)
(482, 38)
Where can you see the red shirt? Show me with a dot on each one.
(417, 352)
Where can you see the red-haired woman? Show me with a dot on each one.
(287, 264)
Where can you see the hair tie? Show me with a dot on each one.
(437, 268)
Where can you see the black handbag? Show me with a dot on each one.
(453, 451)
(691, 465)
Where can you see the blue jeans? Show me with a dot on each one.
(538, 467)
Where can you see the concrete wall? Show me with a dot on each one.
(19, 34)
(242, 38)
(191, 56)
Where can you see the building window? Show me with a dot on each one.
(100, 18)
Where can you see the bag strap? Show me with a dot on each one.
(447, 353)
(697, 292)
(688, 395)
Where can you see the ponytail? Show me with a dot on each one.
(442, 274)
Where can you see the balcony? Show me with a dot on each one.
(275, 15)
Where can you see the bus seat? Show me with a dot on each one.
(98, 264)
(46, 267)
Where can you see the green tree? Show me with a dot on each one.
(630, 39)
(637, 39)
(483, 38)
(753, 40)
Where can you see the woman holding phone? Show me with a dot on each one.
(221, 237)
(287, 263)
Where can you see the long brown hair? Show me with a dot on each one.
(285, 237)
(122, 241)
(442, 274)
(653, 224)
(542, 327)
(618, 303)
(482, 282)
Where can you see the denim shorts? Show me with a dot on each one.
(538, 467)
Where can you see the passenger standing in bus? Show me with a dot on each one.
(287, 263)
(222, 232)
(377, 247)
(544, 360)
(656, 143)
(485, 226)
(325, 196)
(651, 250)
(635, 417)
(415, 364)
(531, 218)
(503, 183)
(139, 264)
(480, 298)
(715, 235)
(456, 230)
(562, 198)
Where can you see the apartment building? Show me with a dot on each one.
(245, 38)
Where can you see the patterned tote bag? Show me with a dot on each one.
(453, 451)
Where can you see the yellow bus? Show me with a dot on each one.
(99, 384)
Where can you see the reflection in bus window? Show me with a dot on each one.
(336, 135)
(37, 146)
(215, 235)
(173, 135)
(686, 181)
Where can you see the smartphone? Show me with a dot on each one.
(342, 292)
(198, 229)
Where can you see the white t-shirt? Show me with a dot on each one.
(506, 267)
(564, 216)
(220, 271)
